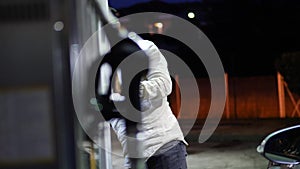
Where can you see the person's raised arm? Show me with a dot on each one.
(158, 83)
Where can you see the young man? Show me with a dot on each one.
(163, 140)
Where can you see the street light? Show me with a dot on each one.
(191, 15)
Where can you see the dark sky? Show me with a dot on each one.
(126, 3)
(249, 35)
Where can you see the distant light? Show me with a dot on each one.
(158, 25)
(58, 26)
(191, 15)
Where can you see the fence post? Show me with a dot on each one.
(281, 95)
(227, 103)
(177, 97)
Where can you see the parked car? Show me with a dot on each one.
(282, 148)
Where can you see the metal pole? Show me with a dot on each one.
(104, 149)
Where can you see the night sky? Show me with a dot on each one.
(249, 35)
(127, 3)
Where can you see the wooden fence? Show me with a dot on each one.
(247, 98)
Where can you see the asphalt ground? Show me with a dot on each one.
(231, 146)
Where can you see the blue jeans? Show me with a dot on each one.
(174, 158)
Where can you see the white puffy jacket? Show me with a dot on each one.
(159, 125)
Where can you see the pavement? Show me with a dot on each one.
(245, 130)
(232, 145)
(229, 155)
